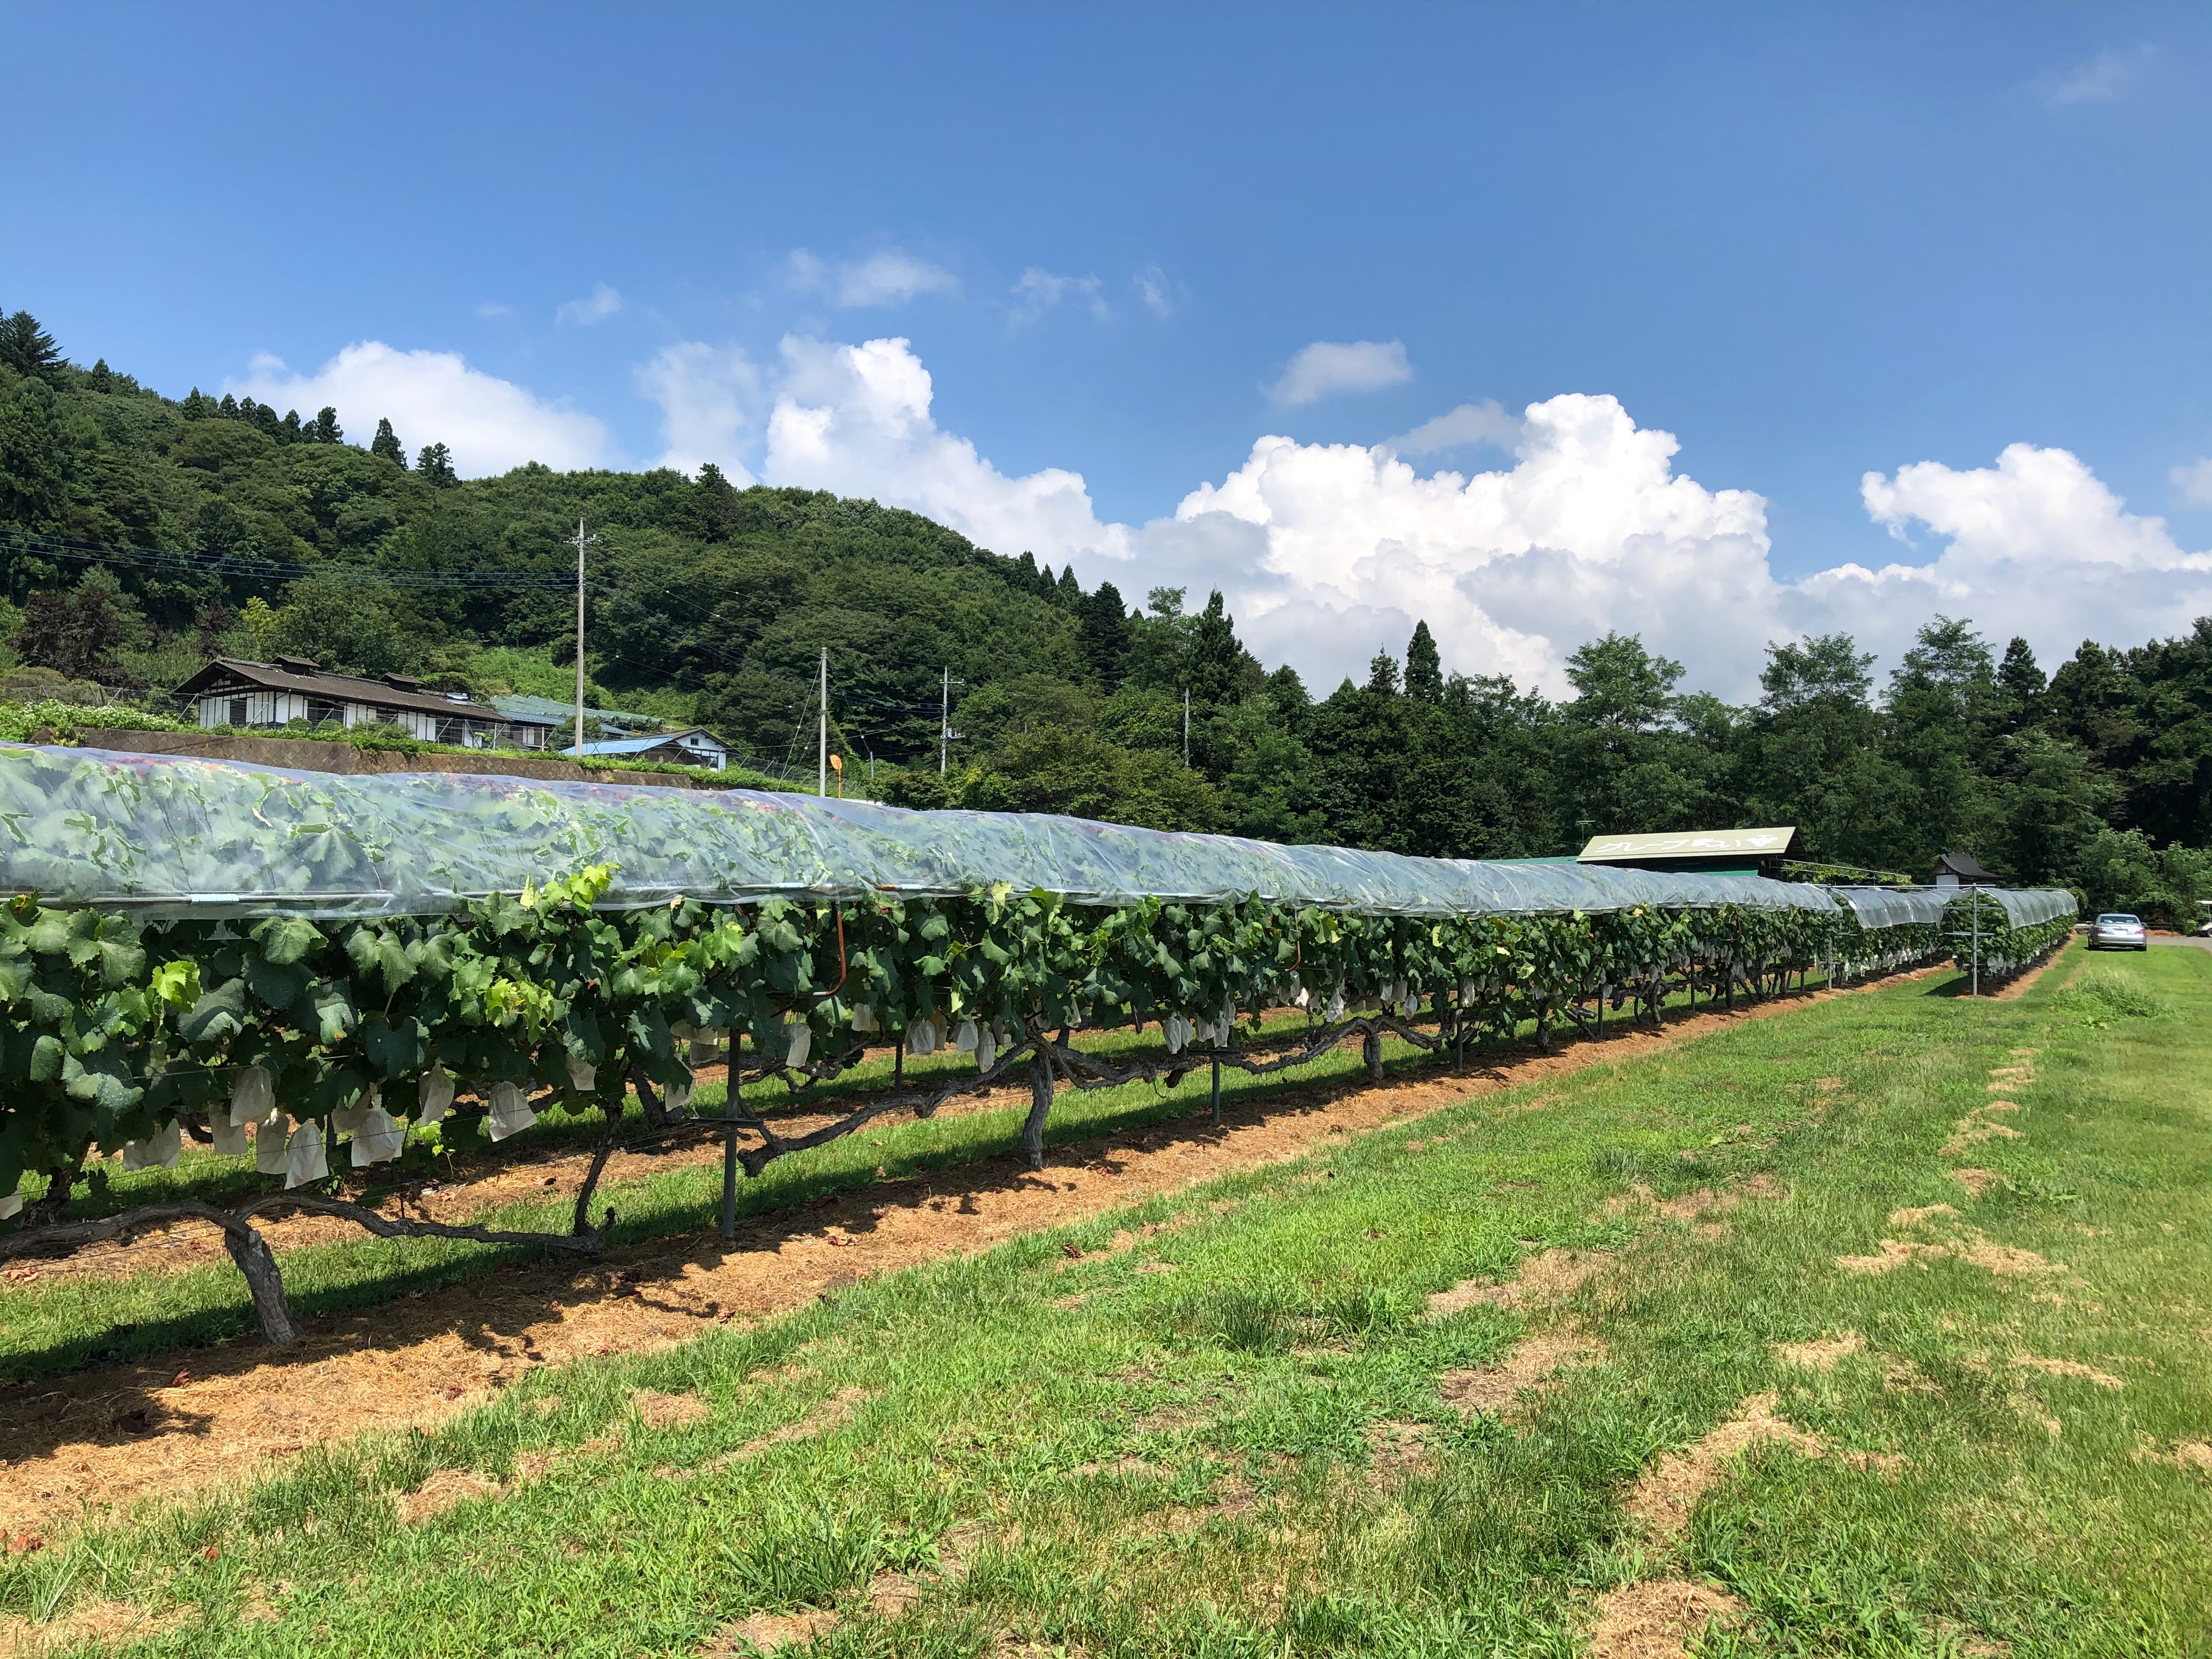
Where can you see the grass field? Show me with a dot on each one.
(1722, 1357)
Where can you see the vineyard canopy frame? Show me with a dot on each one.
(170, 838)
(1012, 925)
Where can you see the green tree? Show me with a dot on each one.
(1811, 752)
(1425, 668)
(2051, 807)
(36, 461)
(2020, 678)
(1103, 630)
(434, 466)
(386, 444)
(327, 429)
(1214, 669)
(29, 349)
(1945, 719)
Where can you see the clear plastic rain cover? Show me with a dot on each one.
(2027, 906)
(172, 837)
(1894, 907)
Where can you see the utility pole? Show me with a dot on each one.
(945, 723)
(1186, 726)
(582, 541)
(822, 747)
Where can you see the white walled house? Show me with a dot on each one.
(692, 747)
(231, 691)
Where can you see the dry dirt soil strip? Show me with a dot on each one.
(162, 1428)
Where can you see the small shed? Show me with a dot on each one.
(237, 693)
(691, 747)
(1705, 852)
(1961, 870)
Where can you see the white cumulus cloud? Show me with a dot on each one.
(1328, 366)
(491, 425)
(856, 420)
(601, 303)
(1325, 551)
(710, 401)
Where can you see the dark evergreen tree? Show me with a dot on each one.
(1215, 669)
(227, 409)
(29, 349)
(2021, 682)
(1102, 629)
(293, 431)
(327, 429)
(198, 406)
(1425, 668)
(1069, 592)
(1383, 674)
(435, 465)
(386, 444)
(100, 377)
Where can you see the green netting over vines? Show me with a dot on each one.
(173, 837)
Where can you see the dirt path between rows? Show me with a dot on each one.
(101, 1440)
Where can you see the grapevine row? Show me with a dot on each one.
(315, 1036)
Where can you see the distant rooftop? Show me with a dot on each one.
(552, 713)
(622, 746)
(1698, 846)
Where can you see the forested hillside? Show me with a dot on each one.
(709, 603)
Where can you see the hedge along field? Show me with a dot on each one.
(1768, 1342)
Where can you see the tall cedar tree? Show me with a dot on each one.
(1217, 661)
(1425, 668)
(386, 443)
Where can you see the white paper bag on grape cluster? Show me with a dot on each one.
(271, 1137)
(379, 1138)
(922, 1038)
(864, 1019)
(303, 1156)
(228, 1135)
(509, 1113)
(583, 1076)
(434, 1094)
(11, 1206)
(158, 1151)
(797, 1041)
(967, 1039)
(706, 1048)
(252, 1097)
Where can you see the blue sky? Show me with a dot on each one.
(1811, 243)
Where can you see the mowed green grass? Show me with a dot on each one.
(1127, 1460)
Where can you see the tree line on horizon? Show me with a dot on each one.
(710, 605)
